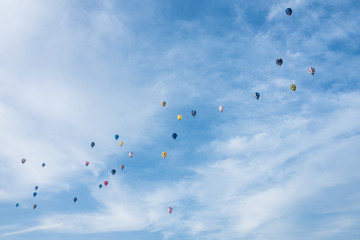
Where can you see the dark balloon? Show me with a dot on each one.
(17, 205)
(23, 161)
(36, 188)
(174, 136)
(92, 144)
(86, 163)
(43, 164)
(75, 199)
(34, 206)
(116, 137)
(34, 194)
(100, 186)
(113, 172)
(279, 61)
(288, 11)
(193, 113)
(257, 95)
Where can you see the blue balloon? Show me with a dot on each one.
(193, 113)
(100, 186)
(116, 137)
(34, 194)
(92, 144)
(113, 171)
(36, 188)
(75, 199)
(17, 205)
(43, 165)
(257, 95)
(288, 11)
(174, 136)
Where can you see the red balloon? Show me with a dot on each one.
(106, 183)
(86, 163)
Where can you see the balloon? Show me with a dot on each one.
(34, 206)
(86, 163)
(23, 160)
(164, 154)
(221, 108)
(121, 143)
(116, 137)
(193, 113)
(293, 87)
(75, 199)
(36, 188)
(34, 194)
(17, 204)
(163, 103)
(131, 154)
(122, 167)
(170, 209)
(100, 186)
(288, 11)
(279, 61)
(179, 117)
(92, 144)
(311, 70)
(174, 136)
(257, 95)
(113, 172)
(106, 183)
(43, 164)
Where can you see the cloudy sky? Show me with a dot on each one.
(283, 167)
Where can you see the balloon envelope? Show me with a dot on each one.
(23, 160)
(106, 183)
(293, 87)
(121, 143)
(311, 70)
(193, 113)
(92, 144)
(163, 103)
(34, 194)
(257, 95)
(164, 154)
(279, 61)
(17, 205)
(36, 188)
(174, 136)
(113, 172)
(288, 11)
(122, 167)
(179, 117)
(86, 163)
(34, 206)
(170, 209)
(131, 154)
(221, 108)
(116, 137)
(75, 199)
(100, 186)
(43, 164)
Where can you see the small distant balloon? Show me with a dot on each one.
(43, 164)
(34, 194)
(170, 209)
(131, 154)
(34, 206)
(164, 154)
(293, 87)
(113, 172)
(122, 167)
(36, 188)
(121, 143)
(17, 204)
(279, 61)
(311, 70)
(288, 11)
(174, 136)
(163, 103)
(100, 186)
(257, 95)
(23, 160)
(86, 163)
(106, 183)
(193, 113)
(92, 144)
(75, 199)
(116, 137)
(179, 117)
(221, 108)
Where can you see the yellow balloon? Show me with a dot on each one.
(121, 143)
(164, 154)
(179, 117)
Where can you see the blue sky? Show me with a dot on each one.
(283, 167)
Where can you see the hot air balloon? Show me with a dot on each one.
(75, 199)
(36, 188)
(174, 136)
(100, 186)
(293, 87)
(17, 204)
(121, 143)
(113, 172)
(34, 194)
(34, 206)
(131, 154)
(221, 108)
(170, 209)
(116, 137)
(279, 61)
(86, 163)
(23, 160)
(288, 11)
(257, 95)
(163, 103)
(164, 154)
(311, 70)
(92, 144)
(43, 164)
(179, 117)
(122, 167)
(106, 183)
(193, 113)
